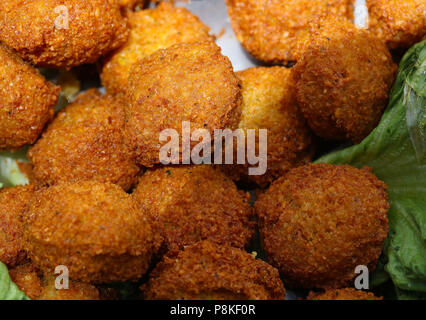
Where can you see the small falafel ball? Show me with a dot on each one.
(320, 221)
(342, 294)
(269, 103)
(94, 229)
(85, 142)
(399, 23)
(343, 80)
(62, 33)
(269, 30)
(26, 101)
(190, 82)
(150, 30)
(193, 203)
(13, 202)
(207, 271)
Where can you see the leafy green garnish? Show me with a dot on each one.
(10, 174)
(396, 150)
(9, 290)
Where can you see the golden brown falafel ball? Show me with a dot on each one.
(193, 203)
(343, 80)
(96, 230)
(26, 101)
(269, 103)
(400, 23)
(342, 294)
(190, 82)
(320, 221)
(85, 142)
(62, 33)
(151, 30)
(269, 29)
(13, 202)
(207, 271)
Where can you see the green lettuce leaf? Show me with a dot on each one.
(10, 174)
(9, 290)
(396, 150)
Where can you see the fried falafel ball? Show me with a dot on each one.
(190, 82)
(13, 202)
(41, 287)
(343, 80)
(208, 271)
(85, 142)
(62, 33)
(26, 101)
(342, 294)
(269, 29)
(269, 103)
(400, 23)
(320, 221)
(94, 229)
(150, 31)
(193, 203)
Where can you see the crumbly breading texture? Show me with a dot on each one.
(95, 229)
(343, 80)
(207, 271)
(342, 294)
(400, 23)
(150, 31)
(320, 221)
(62, 34)
(26, 101)
(85, 142)
(269, 29)
(190, 82)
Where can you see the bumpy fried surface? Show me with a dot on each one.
(85, 142)
(186, 82)
(130, 4)
(13, 202)
(151, 30)
(26, 101)
(37, 30)
(269, 103)
(400, 23)
(39, 287)
(320, 221)
(269, 29)
(94, 229)
(207, 271)
(342, 294)
(343, 80)
(193, 203)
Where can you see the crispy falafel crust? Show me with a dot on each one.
(26, 101)
(186, 82)
(208, 271)
(85, 142)
(320, 221)
(38, 31)
(193, 203)
(150, 31)
(342, 294)
(94, 229)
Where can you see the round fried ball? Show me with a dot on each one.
(320, 221)
(193, 203)
(13, 202)
(85, 142)
(190, 82)
(343, 294)
(62, 33)
(151, 30)
(269, 103)
(343, 80)
(26, 101)
(269, 29)
(399, 23)
(94, 229)
(207, 271)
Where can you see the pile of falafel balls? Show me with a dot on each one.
(101, 204)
